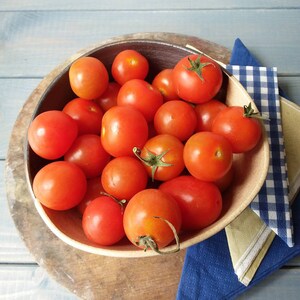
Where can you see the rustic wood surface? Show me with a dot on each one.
(36, 36)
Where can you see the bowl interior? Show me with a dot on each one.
(67, 224)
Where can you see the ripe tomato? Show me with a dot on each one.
(122, 129)
(88, 77)
(109, 98)
(142, 96)
(207, 156)
(129, 64)
(51, 134)
(163, 81)
(139, 218)
(86, 113)
(242, 131)
(206, 113)
(93, 190)
(123, 177)
(197, 78)
(59, 185)
(200, 202)
(102, 221)
(162, 156)
(224, 182)
(177, 118)
(88, 153)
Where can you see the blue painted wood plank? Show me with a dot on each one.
(34, 42)
(13, 95)
(143, 5)
(20, 282)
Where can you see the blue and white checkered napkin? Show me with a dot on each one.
(272, 203)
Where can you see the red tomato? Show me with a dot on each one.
(177, 118)
(197, 78)
(206, 113)
(51, 134)
(102, 221)
(129, 64)
(88, 153)
(88, 77)
(242, 132)
(207, 156)
(109, 98)
(163, 81)
(93, 190)
(60, 185)
(142, 96)
(224, 182)
(123, 177)
(140, 221)
(86, 113)
(163, 157)
(122, 129)
(200, 202)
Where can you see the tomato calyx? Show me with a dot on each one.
(152, 160)
(197, 66)
(249, 113)
(147, 242)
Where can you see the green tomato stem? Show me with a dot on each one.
(152, 160)
(249, 113)
(197, 66)
(148, 242)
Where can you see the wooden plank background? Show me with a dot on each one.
(36, 36)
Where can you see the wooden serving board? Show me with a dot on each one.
(87, 275)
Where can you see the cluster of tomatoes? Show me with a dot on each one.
(141, 159)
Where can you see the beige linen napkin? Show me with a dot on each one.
(249, 238)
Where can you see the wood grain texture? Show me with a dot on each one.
(32, 36)
(147, 5)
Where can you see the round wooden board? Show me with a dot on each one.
(87, 275)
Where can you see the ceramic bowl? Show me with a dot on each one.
(250, 168)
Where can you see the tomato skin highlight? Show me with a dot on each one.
(207, 156)
(140, 212)
(51, 140)
(190, 87)
(102, 221)
(86, 113)
(93, 190)
(123, 177)
(109, 98)
(88, 77)
(122, 129)
(176, 118)
(164, 82)
(88, 153)
(53, 184)
(206, 113)
(129, 64)
(141, 95)
(200, 202)
(242, 132)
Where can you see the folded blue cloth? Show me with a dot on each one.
(272, 202)
(207, 272)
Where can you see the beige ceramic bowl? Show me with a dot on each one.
(250, 168)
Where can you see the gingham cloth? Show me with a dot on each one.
(272, 203)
